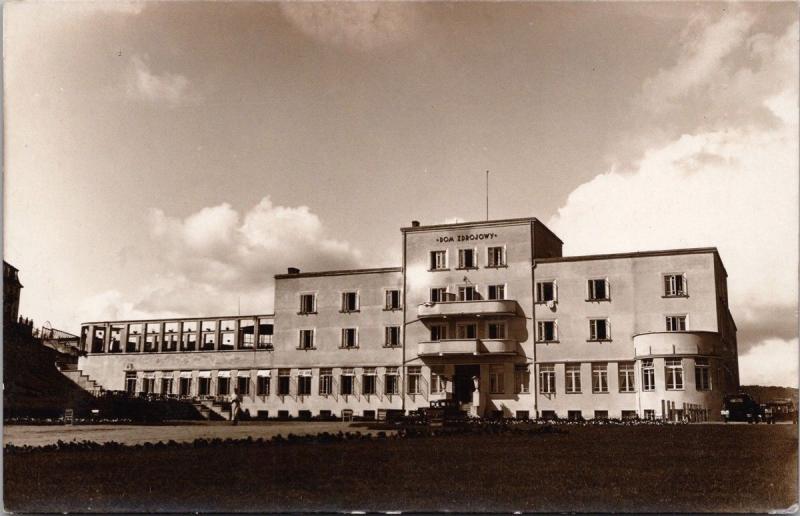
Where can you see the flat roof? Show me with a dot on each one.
(635, 254)
(180, 319)
(379, 270)
(481, 223)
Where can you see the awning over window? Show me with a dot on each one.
(304, 372)
(224, 374)
(243, 374)
(149, 375)
(186, 374)
(204, 374)
(264, 373)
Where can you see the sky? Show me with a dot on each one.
(167, 159)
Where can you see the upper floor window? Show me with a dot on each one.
(466, 331)
(626, 377)
(308, 304)
(392, 336)
(227, 325)
(702, 374)
(676, 323)
(467, 293)
(189, 326)
(134, 329)
(438, 332)
(545, 291)
(496, 330)
(392, 299)
(546, 331)
(306, 339)
(208, 326)
(599, 329)
(673, 372)
(466, 259)
(598, 290)
(438, 260)
(497, 292)
(438, 294)
(675, 285)
(648, 375)
(547, 379)
(349, 301)
(349, 337)
(496, 257)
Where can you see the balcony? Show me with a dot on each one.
(468, 347)
(478, 308)
(676, 343)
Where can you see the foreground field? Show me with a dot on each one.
(675, 468)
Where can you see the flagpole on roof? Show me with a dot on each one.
(487, 195)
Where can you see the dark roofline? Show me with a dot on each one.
(481, 223)
(180, 319)
(635, 254)
(378, 270)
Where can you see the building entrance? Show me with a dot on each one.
(463, 385)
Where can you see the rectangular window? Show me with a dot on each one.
(599, 378)
(598, 290)
(497, 292)
(392, 300)
(204, 383)
(346, 385)
(306, 339)
(466, 259)
(265, 331)
(547, 379)
(189, 326)
(392, 336)
(153, 328)
(349, 337)
(626, 377)
(438, 383)
(496, 380)
(601, 414)
(134, 329)
(496, 257)
(189, 342)
(675, 285)
(522, 379)
(114, 344)
(185, 384)
(574, 415)
(702, 374)
(284, 381)
(166, 382)
(349, 301)
(325, 381)
(208, 326)
(223, 383)
(598, 329)
(247, 333)
(226, 341)
(263, 382)
(673, 372)
(546, 331)
(149, 383)
(649, 414)
(496, 330)
(467, 293)
(243, 383)
(414, 380)
(676, 323)
(170, 342)
(151, 343)
(438, 260)
(227, 325)
(628, 414)
(307, 304)
(208, 341)
(438, 332)
(466, 331)
(391, 384)
(132, 345)
(304, 382)
(439, 295)
(648, 375)
(368, 381)
(545, 291)
(572, 373)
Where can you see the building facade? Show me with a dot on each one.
(489, 314)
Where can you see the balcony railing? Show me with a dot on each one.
(467, 347)
(478, 308)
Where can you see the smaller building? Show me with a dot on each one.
(11, 293)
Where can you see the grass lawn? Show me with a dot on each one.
(738, 468)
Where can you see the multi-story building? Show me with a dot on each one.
(489, 314)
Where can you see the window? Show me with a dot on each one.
(151, 343)
(349, 301)
(438, 260)
(247, 333)
(467, 293)
(546, 331)
(572, 373)
(166, 383)
(496, 330)
(153, 328)
(227, 325)
(545, 291)
(702, 374)
(349, 338)
(149, 383)
(284, 381)
(306, 339)
(675, 285)
(204, 383)
(392, 300)
(439, 295)
(673, 372)
(368, 381)
(325, 381)
(391, 382)
(130, 383)
(223, 383)
(226, 338)
(628, 414)
(598, 290)
(496, 380)
(307, 304)
(599, 378)
(185, 384)
(414, 380)
(304, 382)
(438, 332)
(134, 329)
(549, 414)
(98, 340)
(392, 336)
(114, 345)
(466, 331)
(189, 342)
(438, 383)
(522, 379)
(676, 323)
(170, 342)
(601, 414)
(598, 329)
(496, 257)
(346, 384)
(466, 259)
(547, 379)
(265, 331)
(189, 326)
(649, 414)
(208, 341)
(648, 375)
(132, 345)
(262, 382)
(574, 415)
(626, 377)
(497, 292)
(208, 326)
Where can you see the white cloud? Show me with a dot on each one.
(143, 84)
(732, 182)
(773, 362)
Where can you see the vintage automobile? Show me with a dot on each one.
(741, 407)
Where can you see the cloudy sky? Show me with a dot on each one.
(169, 158)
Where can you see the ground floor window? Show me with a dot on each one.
(346, 382)
(438, 383)
(304, 382)
(391, 381)
(649, 414)
(130, 383)
(325, 382)
(496, 380)
(628, 414)
(185, 386)
(166, 383)
(599, 378)
(204, 385)
(574, 415)
(648, 375)
(548, 414)
(223, 384)
(368, 381)
(702, 374)
(262, 383)
(547, 379)
(284, 382)
(414, 380)
(626, 377)
(673, 372)
(522, 379)
(601, 414)
(572, 373)
(149, 383)
(243, 384)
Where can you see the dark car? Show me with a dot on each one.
(741, 407)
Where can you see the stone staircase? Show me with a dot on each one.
(83, 381)
(214, 410)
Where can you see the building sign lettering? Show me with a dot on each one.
(466, 238)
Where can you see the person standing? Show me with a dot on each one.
(235, 406)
